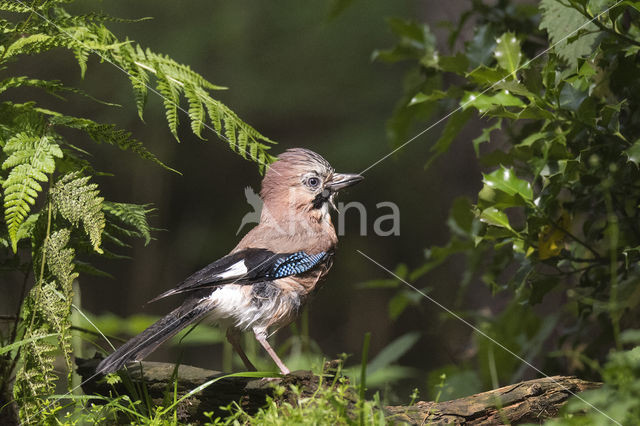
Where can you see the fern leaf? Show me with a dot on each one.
(173, 79)
(35, 43)
(52, 87)
(59, 260)
(214, 115)
(196, 109)
(131, 215)
(13, 6)
(77, 201)
(241, 137)
(253, 151)
(178, 72)
(243, 140)
(47, 309)
(30, 158)
(105, 133)
(137, 75)
(560, 20)
(230, 134)
(171, 98)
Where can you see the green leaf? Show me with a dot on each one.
(560, 21)
(485, 136)
(105, 133)
(132, 216)
(484, 103)
(393, 351)
(433, 96)
(461, 217)
(484, 75)
(415, 41)
(505, 180)
(508, 53)
(495, 217)
(77, 201)
(633, 153)
(480, 49)
(454, 126)
(30, 159)
(457, 64)
(19, 343)
(436, 255)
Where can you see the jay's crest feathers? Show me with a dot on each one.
(263, 282)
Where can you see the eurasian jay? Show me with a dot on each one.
(263, 283)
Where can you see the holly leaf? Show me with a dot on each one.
(633, 153)
(508, 53)
(506, 181)
(495, 217)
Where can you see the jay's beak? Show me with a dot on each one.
(343, 180)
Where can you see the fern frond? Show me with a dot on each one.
(31, 44)
(170, 92)
(13, 6)
(59, 260)
(137, 75)
(77, 201)
(179, 73)
(52, 87)
(86, 34)
(47, 310)
(130, 215)
(174, 79)
(196, 109)
(55, 304)
(65, 20)
(30, 159)
(35, 379)
(105, 133)
(241, 137)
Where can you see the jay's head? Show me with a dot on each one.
(304, 181)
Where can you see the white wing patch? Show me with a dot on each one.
(238, 269)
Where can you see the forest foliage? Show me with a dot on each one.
(556, 224)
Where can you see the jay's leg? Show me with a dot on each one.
(262, 338)
(232, 337)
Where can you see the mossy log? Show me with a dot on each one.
(525, 402)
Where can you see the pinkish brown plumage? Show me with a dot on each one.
(265, 280)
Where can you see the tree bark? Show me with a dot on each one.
(525, 402)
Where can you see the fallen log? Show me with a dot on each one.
(525, 402)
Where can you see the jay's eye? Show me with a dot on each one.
(313, 182)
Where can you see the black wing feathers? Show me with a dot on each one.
(248, 266)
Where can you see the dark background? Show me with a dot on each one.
(304, 80)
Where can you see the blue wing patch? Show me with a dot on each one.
(296, 263)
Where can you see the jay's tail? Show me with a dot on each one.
(146, 342)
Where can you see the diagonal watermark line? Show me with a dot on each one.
(108, 60)
(494, 341)
(512, 74)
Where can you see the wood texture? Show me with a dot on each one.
(526, 402)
